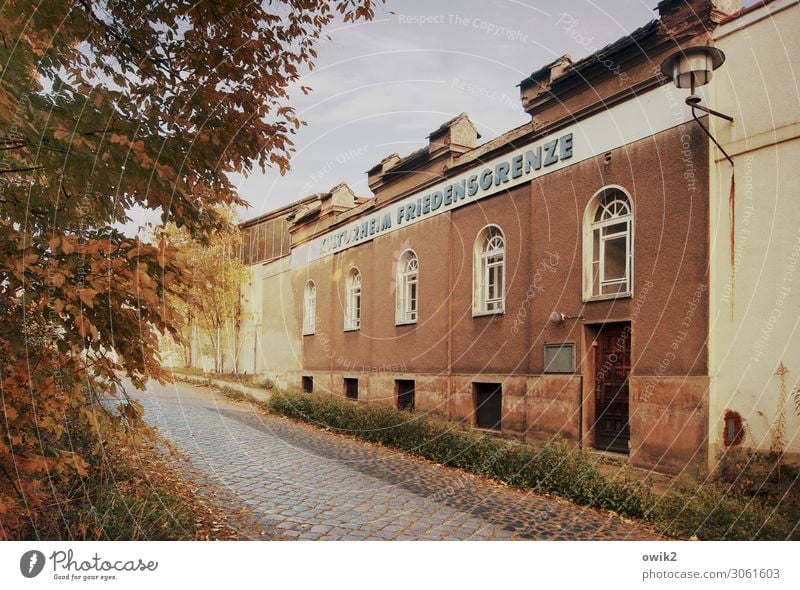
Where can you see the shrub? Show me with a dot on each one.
(720, 512)
(715, 510)
(244, 379)
(552, 468)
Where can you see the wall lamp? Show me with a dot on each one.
(692, 67)
(558, 318)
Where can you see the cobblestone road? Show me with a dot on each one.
(301, 482)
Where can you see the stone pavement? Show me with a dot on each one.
(300, 482)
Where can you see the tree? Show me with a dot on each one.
(105, 106)
(210, 295)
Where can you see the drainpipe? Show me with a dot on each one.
(580, 412)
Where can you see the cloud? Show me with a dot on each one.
(383, 86)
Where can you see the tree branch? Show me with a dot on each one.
(29, 169)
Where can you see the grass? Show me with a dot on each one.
(243, 379)
(709, 510)
(135, 494)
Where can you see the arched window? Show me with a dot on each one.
(489, 280)
(352, 301)
(407, 288)
(309, 308)
(608, 245)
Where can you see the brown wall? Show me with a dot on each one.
(448, 349)
(544, 274)
(670, 252)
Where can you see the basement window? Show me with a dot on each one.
(351, 388)
(488, 405)
(405, 394)
(308, 384)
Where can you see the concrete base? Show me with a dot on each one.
(668, 415)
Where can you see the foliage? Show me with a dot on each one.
(209, 294)
(106, 106)
(244, 379)
(708, 510)
(715, 511)
(135, 493)
(553, 468)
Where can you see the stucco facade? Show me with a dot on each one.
(755, 234)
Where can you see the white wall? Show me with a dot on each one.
(270, 333)
(755, 300)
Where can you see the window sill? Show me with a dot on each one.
(308, 333)
(486, 430)
(352, 329)
(405, 323)
(477, 314)
(625, 295)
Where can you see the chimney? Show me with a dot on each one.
(678, 15)
(456, 135)
(339, 198)
(452, 138)
(375, 174)
(535, 89)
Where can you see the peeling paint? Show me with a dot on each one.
(732, 213)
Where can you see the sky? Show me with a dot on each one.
(382, 86)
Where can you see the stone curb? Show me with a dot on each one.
(255, 392)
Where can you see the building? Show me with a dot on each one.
(754, 356)
(578, 276)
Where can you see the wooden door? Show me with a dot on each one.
(612, 367)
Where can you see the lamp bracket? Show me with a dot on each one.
(703, 127)
(694, 102)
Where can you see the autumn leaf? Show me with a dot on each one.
(87, 297)
(57, 279)
(103, 108)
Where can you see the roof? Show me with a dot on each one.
(611, 48)
(423, 151)
(601, 54)
(544, 71)
(286, 209)
(746, 10)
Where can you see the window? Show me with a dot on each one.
(407, 288)
(309, 308)
(352, 311)
(308, 384)
(488, 405)
(559, 358)
(734, 429)
(405, 394)
(608, 245)
(351, 388)
(489, 281)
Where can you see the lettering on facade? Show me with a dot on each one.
(518, 166)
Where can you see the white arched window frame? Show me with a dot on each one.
(407, 288)
(352, 310)
(309, 308)
(489, 276)
(608, 245)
